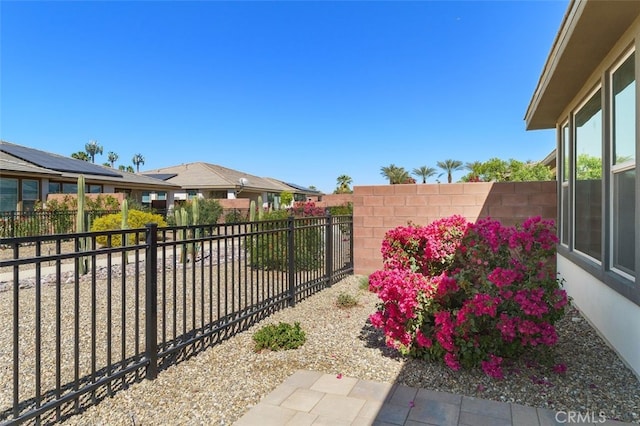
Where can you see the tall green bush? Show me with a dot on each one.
(269, 248)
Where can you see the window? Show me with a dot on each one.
(30, 194)
(564, 182)
(55, 188)
(587, 211)
(8, 194)
(623, 172)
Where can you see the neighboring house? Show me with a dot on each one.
(211, 181)
(28, 176)
(588, 93)
(550, 161)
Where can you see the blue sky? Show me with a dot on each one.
(300, 91)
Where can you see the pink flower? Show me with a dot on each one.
(492, 367)
(339, 376)
(452, 361)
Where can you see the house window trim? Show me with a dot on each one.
(560, 167)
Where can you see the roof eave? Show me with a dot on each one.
(588, 32)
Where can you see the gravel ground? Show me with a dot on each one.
(221, 383)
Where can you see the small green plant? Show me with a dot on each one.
(283, 336)
(364, 283)
(346, 300)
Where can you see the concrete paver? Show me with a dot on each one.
(309, 398)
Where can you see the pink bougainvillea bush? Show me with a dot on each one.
(469, 294)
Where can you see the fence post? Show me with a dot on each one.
(151, 307)
(291, 253)
(328, 250)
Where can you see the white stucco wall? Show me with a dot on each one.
(615, 317)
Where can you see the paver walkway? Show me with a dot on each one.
(312, 398)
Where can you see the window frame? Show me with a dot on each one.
(615, 169)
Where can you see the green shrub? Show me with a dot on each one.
(346, 300)
(364, 283)
(268, 250)
(210, 210)
(111, 222)
(234, 216)
(283, 336)
(342, 210)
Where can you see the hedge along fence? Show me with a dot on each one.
(377, 209)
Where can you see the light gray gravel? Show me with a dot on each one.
(220, 384)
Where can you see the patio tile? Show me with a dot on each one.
(328, 421)
(302, 379)
(302, 400)
(266, 415)
(369, 390)
(370, 409)
(403, 395)
(447, 397)
(302, 419)
(392, 414)
(500, 410)
(547, 417)
(329, 383)
(338, 407)
(279, 394)
(475, 419)
(435, 412)
(525, 416)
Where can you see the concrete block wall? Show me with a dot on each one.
(377, 209)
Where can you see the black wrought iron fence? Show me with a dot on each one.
(162, 296)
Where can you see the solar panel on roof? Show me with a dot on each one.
(54, 161)
(300, 188)
(161, 176)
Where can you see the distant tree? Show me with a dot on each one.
(122, 167)
(112, 157)
(107, 164)
(497, 170)
(395, 174)
(80, 155)
(344, 185)
(129, 169)
(424, 172)
(474, 171)
(137, 160)
(93, 148)
(529, 171)
(313, 188)
(449, 166)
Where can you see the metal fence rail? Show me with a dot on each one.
(167, 294)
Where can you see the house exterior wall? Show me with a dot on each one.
(597, 302)
(609, 300)
(377, 209)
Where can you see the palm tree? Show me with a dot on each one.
(424, 172)
(395, 174)
(343, 184)
(137, 160)
(449, 166)
(474, 168)
(93, 148)
(112, 157)
(80, 155)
